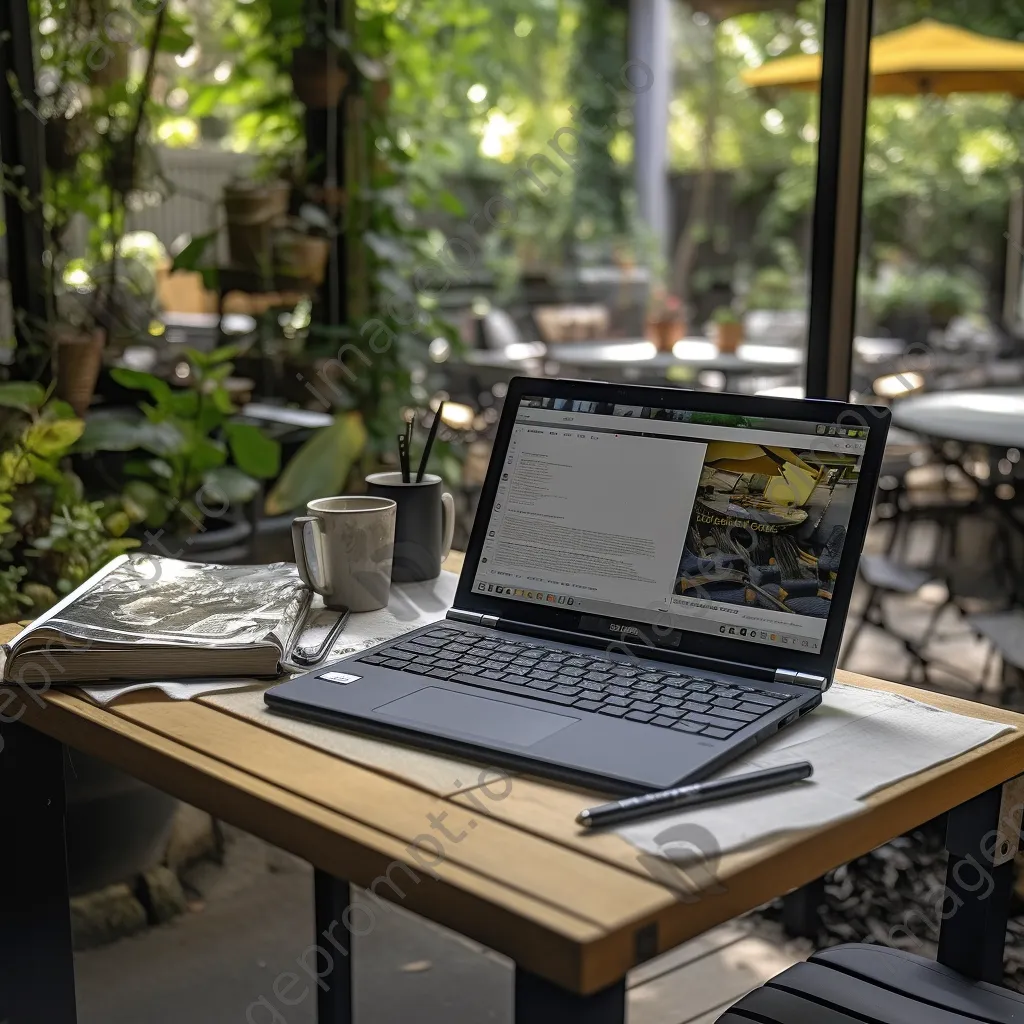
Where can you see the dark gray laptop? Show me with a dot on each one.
(656, 581)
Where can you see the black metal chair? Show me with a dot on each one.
(866, 984)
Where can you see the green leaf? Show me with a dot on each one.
(229, 484)
(321, 466)
(118, 433)
(137, 380)
(54, 437)
(254, 453)
(25, 395)
(191, 256)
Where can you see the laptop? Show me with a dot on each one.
(657, 581)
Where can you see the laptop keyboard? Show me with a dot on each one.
(666, 698)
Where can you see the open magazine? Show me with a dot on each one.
(144, 617)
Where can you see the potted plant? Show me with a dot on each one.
(191, 468)
(300, 252)
(666, 322)
(728, 329)
(254, 210)
(51, 538)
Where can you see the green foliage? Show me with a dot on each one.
(932, 291)
(321, 466)
(725, 315)
(191, 460)
(51, 538)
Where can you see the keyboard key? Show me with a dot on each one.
(765, 699)
(501, 656)
(651, 677)
(700, 685)
(394, 663)
(725, 691)
(647, 687)
(446, 663)
(556, 657)
(625, 673)
(598, 677)
(614, 711)
(693, 705)
(440, 673)
(674, 713)
(588, 684)
(555, 698)
(578, 662)
(376, 659)
(540, 684)
(664, 721)
(718, 723)
(639, 716)
(671, 702)
(494, 663)
(618, 691)
(533, 653)
(725, 702)
(429, 641)
(518, 670)
(471, 659)
(588, 705)
(490, 673)
(671, 691)
(685, 726)
(753, 709)
(457, 648)
(414, 648)
(737, 716)
(510, 648)
(539, 673)
(567, 689)
(643, 705)
(619, 702)
(716, 734)
(570, 671)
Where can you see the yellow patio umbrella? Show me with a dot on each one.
(928, 57)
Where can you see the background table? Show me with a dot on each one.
(992, 416)
(575, 912)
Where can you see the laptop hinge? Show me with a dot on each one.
(794, 678)
(477, 618)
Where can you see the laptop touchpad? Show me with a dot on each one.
(445, 711)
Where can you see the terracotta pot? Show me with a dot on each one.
(728, 337)
(79, 357)
(253, 211)
(317, 78)
(301, 256)
(666, 332)
(111, 62)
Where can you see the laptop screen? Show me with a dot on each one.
(701, 522)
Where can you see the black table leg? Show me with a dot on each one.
(801, 910)
(37, 972)
(538, 1001)
(333, 952)
(982, 837)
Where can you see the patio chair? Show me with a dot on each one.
(874, 984)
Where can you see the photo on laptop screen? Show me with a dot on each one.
(768, 526)
(700, 522)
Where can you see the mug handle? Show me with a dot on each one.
(323, 587)
(447, 524)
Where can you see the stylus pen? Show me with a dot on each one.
(693, 795)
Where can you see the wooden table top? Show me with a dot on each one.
(578, 909)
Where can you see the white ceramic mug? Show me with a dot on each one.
(352, 544)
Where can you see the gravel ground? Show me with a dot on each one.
(894, 896)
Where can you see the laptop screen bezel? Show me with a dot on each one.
(704, 645)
